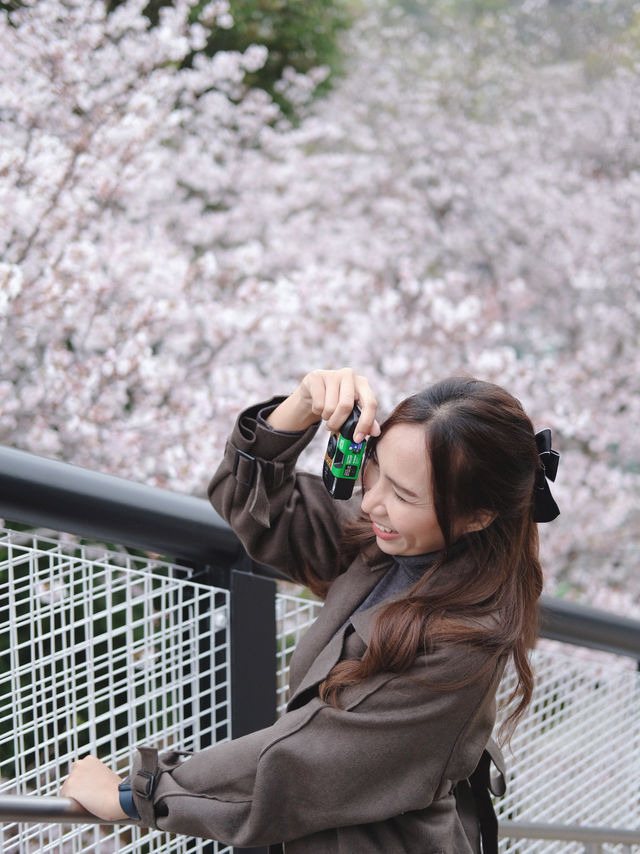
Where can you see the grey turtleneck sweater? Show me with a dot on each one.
(405, 571)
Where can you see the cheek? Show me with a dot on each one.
(425, 524)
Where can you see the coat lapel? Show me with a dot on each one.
(320, 648)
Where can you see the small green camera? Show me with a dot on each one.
(343, 459)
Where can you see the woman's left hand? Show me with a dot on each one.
(95, 787)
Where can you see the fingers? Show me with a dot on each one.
(80, 775)
(340, 397)
(95, 787)
(332, 395)
(367, 425)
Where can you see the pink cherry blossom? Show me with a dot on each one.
(173, 248)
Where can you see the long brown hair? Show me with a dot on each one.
(482, 450)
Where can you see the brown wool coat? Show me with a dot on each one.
(372, 777)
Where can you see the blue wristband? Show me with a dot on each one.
(126, 799)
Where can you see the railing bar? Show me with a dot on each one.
(29, 808)
(52, 494)
(568, 833)
(42, 492)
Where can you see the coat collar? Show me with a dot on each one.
(320, 648)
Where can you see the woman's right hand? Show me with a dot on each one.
(95, 787)
(329, 396)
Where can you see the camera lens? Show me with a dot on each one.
(333, 444)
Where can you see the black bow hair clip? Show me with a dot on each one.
(545, 507)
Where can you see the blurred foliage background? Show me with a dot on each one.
(299, 34)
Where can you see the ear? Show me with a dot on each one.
(479, 521)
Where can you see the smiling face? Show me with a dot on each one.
(398, 496)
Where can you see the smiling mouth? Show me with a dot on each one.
(382, 528)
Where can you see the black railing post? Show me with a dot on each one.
(253, 646)
(253, 657)
(253, 652)
(253, 641)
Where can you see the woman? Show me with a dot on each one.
(430, 587)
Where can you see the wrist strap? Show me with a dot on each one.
(126, 799)
(144, 782)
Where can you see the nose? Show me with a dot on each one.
(372, 499)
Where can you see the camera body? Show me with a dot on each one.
(343, 459)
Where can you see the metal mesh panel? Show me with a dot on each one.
(294, 615)
(100, 652)
(574, 758)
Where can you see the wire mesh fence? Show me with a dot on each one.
(573, 760)
(294, 615)
(99, 652)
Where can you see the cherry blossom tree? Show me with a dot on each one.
(103, 304)
(463, 200)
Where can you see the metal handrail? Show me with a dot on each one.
(575, 623)
(34, 808)
(567, 833)
(38, 491)
(48, 493)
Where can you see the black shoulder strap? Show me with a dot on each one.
(478, 789)
(487, 820)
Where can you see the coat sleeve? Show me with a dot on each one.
(396, 745)
(284, 518)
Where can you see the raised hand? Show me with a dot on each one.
(328, 396)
